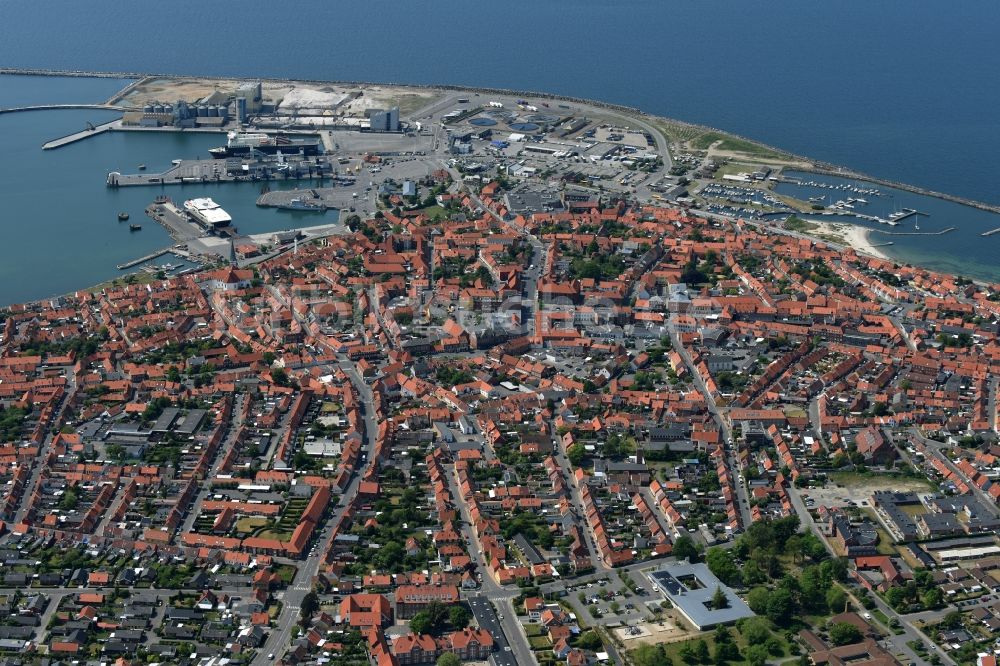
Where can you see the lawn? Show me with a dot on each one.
(434, 211)
(872, 481)
(275, 534)
(248, 524)
(733, 144)
(286, 572)
(673, 649)
(532, 630)
(800, 225)
(540, 642)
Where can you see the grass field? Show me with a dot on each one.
(275, 534)
(248, 524)
(873, 481)
(434, 211)
(800, 225)
(728, 143)
(540, 643)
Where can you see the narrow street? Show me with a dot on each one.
(512, 635)
(742, 497)
(291, 599)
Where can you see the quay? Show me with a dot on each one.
(914, 233)
(92, 130)
(317, 199)
(185, 172)
(174, 220)
(144, 259)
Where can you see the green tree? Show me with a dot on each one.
(757, 600)
(576, 454)
(719, 599)
(459, 617)
(726, 652)
(780, 607)
(653, 655)
(932, 597)
(844, 633)
(836, 599)
(310, 604)
(421, 623)
(756, 655)
(449, 659)
(684, 549)
(279, 376)
(755, 630)
(589, 640)
(813, 589)
(701, 651)
(952, 620)
(721, 563)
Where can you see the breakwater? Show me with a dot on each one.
(808, 164)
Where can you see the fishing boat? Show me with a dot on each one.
(122, 216)
(134, 227)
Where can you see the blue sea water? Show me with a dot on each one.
(897, 89)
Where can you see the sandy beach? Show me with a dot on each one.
(853, 235)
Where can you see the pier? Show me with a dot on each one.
(81, 135)
(914, 233)
(144, 259)
(57, 107)
(905, 214)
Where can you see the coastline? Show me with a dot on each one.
(814, 165)
(844, 233)
(835, 233)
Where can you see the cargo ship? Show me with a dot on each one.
(242, 143)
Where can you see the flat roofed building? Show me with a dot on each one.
(690, 588)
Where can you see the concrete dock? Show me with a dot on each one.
(81, 135)
(217, 171)
(914, 233)
(313, 199)
(144, 259)
(175, 221)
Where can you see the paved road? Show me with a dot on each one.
(43, 452)
(228, 443)
(512, 633)
(742, 497)
(487, 618)
(280, 635)
(934, 448)
(576, 500)
(894, 643)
